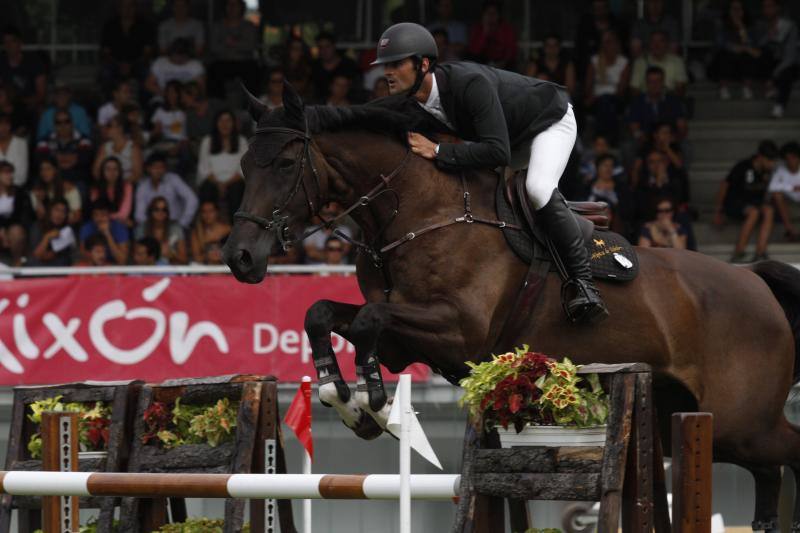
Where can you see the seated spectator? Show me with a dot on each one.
(132, 114)
(605, 188)
(163, 229)
(115, 234)
(736, 56)
(158, 183)
(200, 112)
(658, 55)
(234, 41)
(120, 145)
(14, 150)
(71, 150)
(62, 101)
(169, 126)
(112, 188)
(219, 172)
(23, 70)
(607, 85)
(95, 250)
(120, 97)
(177, 65)
(455, 31)
(785, 185)
(658, 179)
(591, 27)
(126, 46)
(588, 167)
(297, 67)
(654, 106)
(147, 252)
(655, 20)
(743, 197)
(329, 64)
(314, 245)
(554, 66)
(338, 92)
(664, 231)
(207, 229)
(212, 254)
(52, 239)
(663, 140)
(16, 112)
(778, 43)
(50, 185)
(16, 215)
(493, 40)
(335, 251)
(182, 26)
(273, 89)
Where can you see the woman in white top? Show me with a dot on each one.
(219, 172)
(607, 79)
(121, 146)
(14, 150)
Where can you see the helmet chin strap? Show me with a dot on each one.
(420, 76)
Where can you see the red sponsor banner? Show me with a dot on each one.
(153, 328)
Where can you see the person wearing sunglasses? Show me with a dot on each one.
(663, 231)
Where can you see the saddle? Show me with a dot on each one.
(611, 255)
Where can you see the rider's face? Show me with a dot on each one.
(400, 75)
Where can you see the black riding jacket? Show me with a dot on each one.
(496, 110)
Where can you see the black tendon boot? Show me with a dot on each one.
(559, 222)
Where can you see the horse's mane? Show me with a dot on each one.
(392, 116)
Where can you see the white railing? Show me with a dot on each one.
(170, 269)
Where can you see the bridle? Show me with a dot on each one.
(280, 222)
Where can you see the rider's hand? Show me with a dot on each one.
(421, 145)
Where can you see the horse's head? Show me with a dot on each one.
(282, 187)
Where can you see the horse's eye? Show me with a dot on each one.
(285, 164)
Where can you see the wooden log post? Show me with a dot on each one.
(692, 435)
(60, 453)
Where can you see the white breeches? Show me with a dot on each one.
(548, 157)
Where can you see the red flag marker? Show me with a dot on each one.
(298, 416)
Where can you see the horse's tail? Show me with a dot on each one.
(784, 282)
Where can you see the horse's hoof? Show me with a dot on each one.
(366, 427)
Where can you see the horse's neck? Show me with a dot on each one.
(419, 187)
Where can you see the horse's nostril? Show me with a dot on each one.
(245, 259)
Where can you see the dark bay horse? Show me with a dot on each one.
(720, 336)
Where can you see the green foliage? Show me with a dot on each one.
(93, 423)
(522, 387)
(545, 530)
(91, 527)
(198, 525)
(190, 424)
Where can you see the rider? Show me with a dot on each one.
(510, 119)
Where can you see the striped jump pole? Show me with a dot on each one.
(248, 486)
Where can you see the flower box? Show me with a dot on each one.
(552, 436)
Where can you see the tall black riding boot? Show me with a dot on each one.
(585, 304)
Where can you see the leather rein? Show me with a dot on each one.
(279, 221)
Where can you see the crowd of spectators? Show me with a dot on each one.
(146, 169)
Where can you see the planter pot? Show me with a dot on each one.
(92, 455)
(553, 436)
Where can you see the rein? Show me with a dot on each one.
(279, 221)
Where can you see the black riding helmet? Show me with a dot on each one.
(405, 40)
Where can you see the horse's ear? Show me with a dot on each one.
(256, 107)
(292, 102)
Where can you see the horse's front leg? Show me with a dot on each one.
(323, 318)
(411, 330)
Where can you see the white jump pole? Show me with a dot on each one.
(307, 471)
(404, 387)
